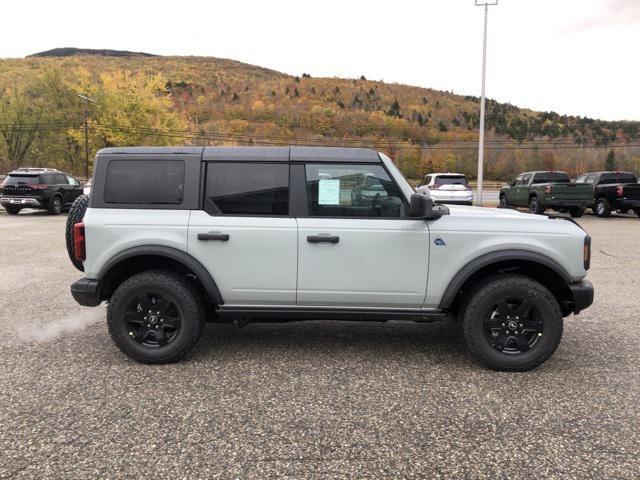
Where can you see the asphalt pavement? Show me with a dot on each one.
(310, 399)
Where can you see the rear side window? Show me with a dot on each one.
(551, 177)
(247, 189)
(145, 182)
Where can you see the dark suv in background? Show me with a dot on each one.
(44, 188)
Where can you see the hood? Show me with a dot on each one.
(488, 212)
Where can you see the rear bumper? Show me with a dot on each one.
(625, 203)
(567, 203)
(582, 295)
(20, 201)
(86, 292)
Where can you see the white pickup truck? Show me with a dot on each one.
(176, 236)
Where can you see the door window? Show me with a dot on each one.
(241, 188)
(143, 182)
(71, 180)
(353, 190)
(525, 180)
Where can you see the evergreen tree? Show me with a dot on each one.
(610, 163)
(442, 127)
(394, 110)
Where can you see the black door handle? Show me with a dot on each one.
(223, 237)
(323, 239)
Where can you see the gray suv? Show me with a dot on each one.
(174, 237)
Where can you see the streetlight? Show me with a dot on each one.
(86, 134)
(486, 5)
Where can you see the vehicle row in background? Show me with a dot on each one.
(40, 188)
(451, 188)
(600, 191)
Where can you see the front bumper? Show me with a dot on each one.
(86, 292)
(582, 295)
(20, 201)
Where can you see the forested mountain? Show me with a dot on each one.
(153, 100)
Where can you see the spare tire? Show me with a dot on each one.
(76, 214)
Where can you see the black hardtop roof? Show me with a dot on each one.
(258, 154)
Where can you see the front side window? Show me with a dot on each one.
(240, 188)
(145, 182)
(71, 180)
(525, 180)
(352, 190)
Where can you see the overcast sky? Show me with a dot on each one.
(572, 56)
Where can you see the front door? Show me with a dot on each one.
(357, 245)
(244, 236)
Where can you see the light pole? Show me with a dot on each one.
(486, 5)
(86, 134)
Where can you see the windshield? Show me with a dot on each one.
(21, 180)
(451, 180)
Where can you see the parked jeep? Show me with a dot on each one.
(174, 237)
(539, 191)
(41, 188)
(617, 191)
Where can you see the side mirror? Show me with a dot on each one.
(421, 206)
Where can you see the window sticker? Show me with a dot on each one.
(329, 191)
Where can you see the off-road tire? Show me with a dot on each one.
(602, 208)
(481, 299)
(12, 210)
(576, 212)
(76, 214)
(503, 201)
(187, 301)
(534, 206)
(55, 205)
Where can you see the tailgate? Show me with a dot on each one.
(631, 191)
(571, 191)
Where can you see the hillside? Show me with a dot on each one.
(196, 100)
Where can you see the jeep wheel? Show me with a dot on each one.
(12, 210)
(55, 206)
(534, 206)
(511, 323)
(602, 208)
(576, 212)
(155, 317)
(76, 214)
(503, 200)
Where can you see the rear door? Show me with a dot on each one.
(357, 245)
(73, 187)
(244, 235)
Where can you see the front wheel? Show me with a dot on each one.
(503, 200)
(155, 317)
(576, 212)
(511, 323)
(55, 206)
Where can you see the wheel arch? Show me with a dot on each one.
(147, 257)
(537, 266)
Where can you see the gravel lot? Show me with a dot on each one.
(322, 400)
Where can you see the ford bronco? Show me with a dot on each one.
(174, 237)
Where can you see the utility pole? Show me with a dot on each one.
(486, 5)
(85, 100)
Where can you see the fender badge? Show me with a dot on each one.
(439, 242)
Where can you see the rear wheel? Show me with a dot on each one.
(534, 206)
(12, 210)
(55, 206)
(155, 317)
(602, 208)
(511, 323)
(576, 212)
(76, 214)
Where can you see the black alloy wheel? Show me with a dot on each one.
(153, 320)
(513, 326)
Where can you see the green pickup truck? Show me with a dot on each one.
(539, 191)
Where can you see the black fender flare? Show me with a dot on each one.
(179, 256)
(487, 259)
